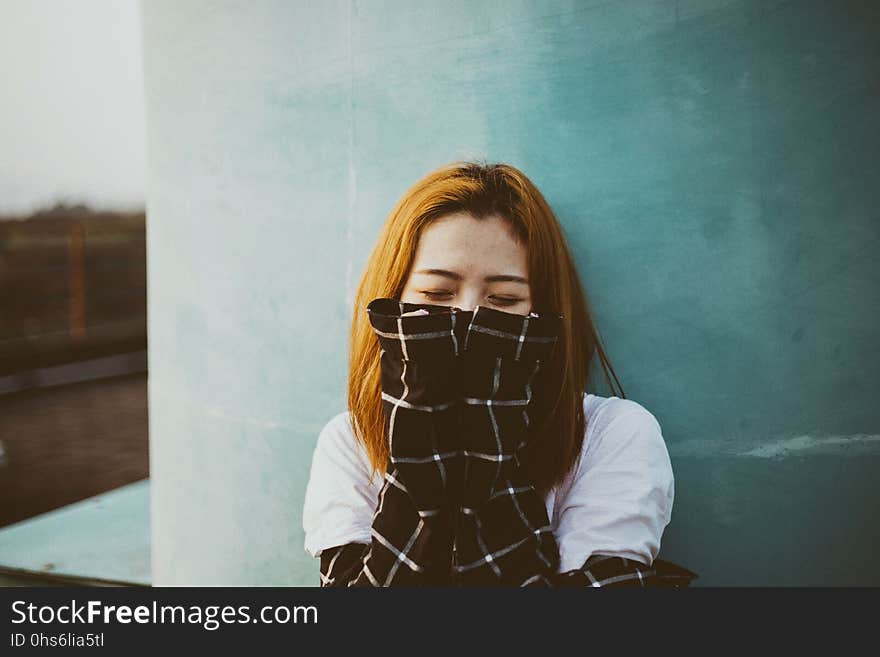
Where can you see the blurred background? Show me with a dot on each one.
(73, 394)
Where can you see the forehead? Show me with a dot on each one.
(462, 242)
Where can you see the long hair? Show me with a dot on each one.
(482, 189)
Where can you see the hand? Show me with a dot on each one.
(419, 379)
(501, 356)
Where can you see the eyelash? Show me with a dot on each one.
(500, 301)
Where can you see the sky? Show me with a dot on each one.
(71, 104)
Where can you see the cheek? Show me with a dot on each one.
(523, 308)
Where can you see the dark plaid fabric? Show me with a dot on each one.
(340, 565)
(503, 536)
(456, 508)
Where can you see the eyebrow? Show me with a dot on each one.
(498, 278)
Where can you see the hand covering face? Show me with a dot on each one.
(456, 508)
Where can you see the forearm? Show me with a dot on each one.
(405, 549)
(531, 558)
(504, 536)
(506, 541)
(342, 564)
(607, 571)
(411, 543)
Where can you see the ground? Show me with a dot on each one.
(64, 444)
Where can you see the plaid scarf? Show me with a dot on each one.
(456, 507)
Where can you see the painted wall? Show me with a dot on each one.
(716, 168)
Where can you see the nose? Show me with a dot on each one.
(467, 300)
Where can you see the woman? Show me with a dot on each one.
(471, 350)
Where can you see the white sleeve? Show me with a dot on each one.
(339, 500)
(620, 499)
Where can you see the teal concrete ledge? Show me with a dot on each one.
(100, 541)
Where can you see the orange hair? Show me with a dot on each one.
(481, 190)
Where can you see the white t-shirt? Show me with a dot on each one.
(617, 499)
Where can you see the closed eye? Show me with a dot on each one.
(445, 295)
(505, 301)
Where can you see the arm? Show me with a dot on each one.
(599, 571)
(521, 560)
(618, 503)
(503, 537)
(511, 515)
(405, 549)
(503, 534)
(606, 571)
(342, 564)
(411, 529)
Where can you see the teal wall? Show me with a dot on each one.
(716, 166)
